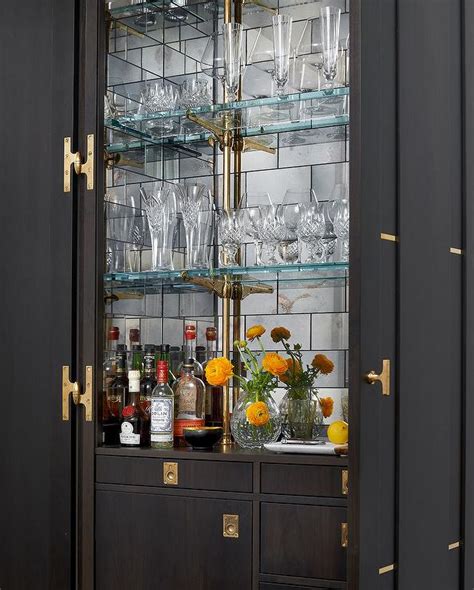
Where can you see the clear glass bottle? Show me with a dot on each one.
(115, 398)
(162, 410)
(214, 394)
(189, 351)
(135, 423)
(189, 392)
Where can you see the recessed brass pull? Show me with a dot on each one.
(453, 546)
(344, 535)
(386, 569)
(384, 377)
(75, 159)
(230, 526)
(170, 474)
(457, 251)
(74, 389)
(345, 482)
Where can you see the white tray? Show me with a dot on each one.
(278, 447)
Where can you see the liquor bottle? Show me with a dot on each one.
(148, 384)
(214, 393)
(189, 351)
(134, 339)
(110, 361)
(189, 393)
(137, 358)
(116, 395)
(164, 355)
(162, 410)
(134, 430)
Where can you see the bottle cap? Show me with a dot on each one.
(136, 347)
(175, 348)
(164, 348)
(150, 348)
(134, 335)
(121, 348)
(189, 363)
(190, 332)
(211, 334)
(128, 411)
(134, 375)
(114, 333)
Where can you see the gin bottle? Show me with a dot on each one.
(162, 410)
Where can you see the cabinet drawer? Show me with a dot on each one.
(222, 476)
(302, 541)
(266, 586)
(302, 480)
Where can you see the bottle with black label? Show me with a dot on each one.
(162, 410)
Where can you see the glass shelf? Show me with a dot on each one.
(262, 116)
(294, 275)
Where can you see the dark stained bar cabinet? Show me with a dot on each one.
(397, 512)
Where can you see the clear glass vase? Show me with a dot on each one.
(301, 415)
(255, 420)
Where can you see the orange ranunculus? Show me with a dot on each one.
(327, 406)
(258, 414)
(275, 364)
(294, 367)
(255, 332)
(323, 364)
(280, 333)
(219, 371)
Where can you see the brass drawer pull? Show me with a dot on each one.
(344, 535)
(230, 526)
(345, 482)
(170, 474)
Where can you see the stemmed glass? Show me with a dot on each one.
(253, 203)
(341, 226)
(310, 230)
(192, 198)
(272, 230)
(329, 238)
(330, 24)
(293, 202)
(281, 46)
(136, 243)
(159, 203)
(231, 231)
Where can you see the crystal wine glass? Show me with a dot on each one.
(136, 242)
(231, 232)
(192, 198)
(252, 203)
(293, 201)
(329, 238)
(272, 230)
(282, 24)
(341, 226)
(310, 230)
(330, 25)
(159, 203)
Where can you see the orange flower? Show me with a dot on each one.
(274, 363)
(255, 332)
(219, 371)
(327, 406)
(323, 364)
(294, 367)
(280, 333)
(258, 414)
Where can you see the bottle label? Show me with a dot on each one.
(162, 416)
(162, 373)
(128, 436)
(187, 399)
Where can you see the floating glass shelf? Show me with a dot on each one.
(294, 275)
(262, 116)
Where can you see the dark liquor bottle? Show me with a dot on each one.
(147, 385)
(134, 339)
(214, 394)
(137, 358)
(135, 422)
(116, 393)
(165, 355)
(190, 350)
(110, 360)
(162, 410)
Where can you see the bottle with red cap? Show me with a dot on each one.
(162, 410)
(214, 393)
(189, 351)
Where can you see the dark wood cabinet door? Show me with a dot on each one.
(302, 541)
(36, 245)
(149, 541)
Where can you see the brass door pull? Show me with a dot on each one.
(384, 377)
(75, 159)
(170, 474)
(230, 526)
(344, 535)
(74, 389)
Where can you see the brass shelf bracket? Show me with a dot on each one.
(75, 159)
(226, 289)
(74, 389)
(384, 377)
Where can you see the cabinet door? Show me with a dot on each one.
(172, 542)
(37, 73)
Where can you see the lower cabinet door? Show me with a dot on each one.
(150, 542)
(303, 541)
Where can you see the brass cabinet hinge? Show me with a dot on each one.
(384, 377)
(75, 159)
(345, 482)
(170, 474)
(344, 535)
(386, 569)
(230, 526)
(74, 390)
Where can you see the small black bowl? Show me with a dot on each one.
(202, 438)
